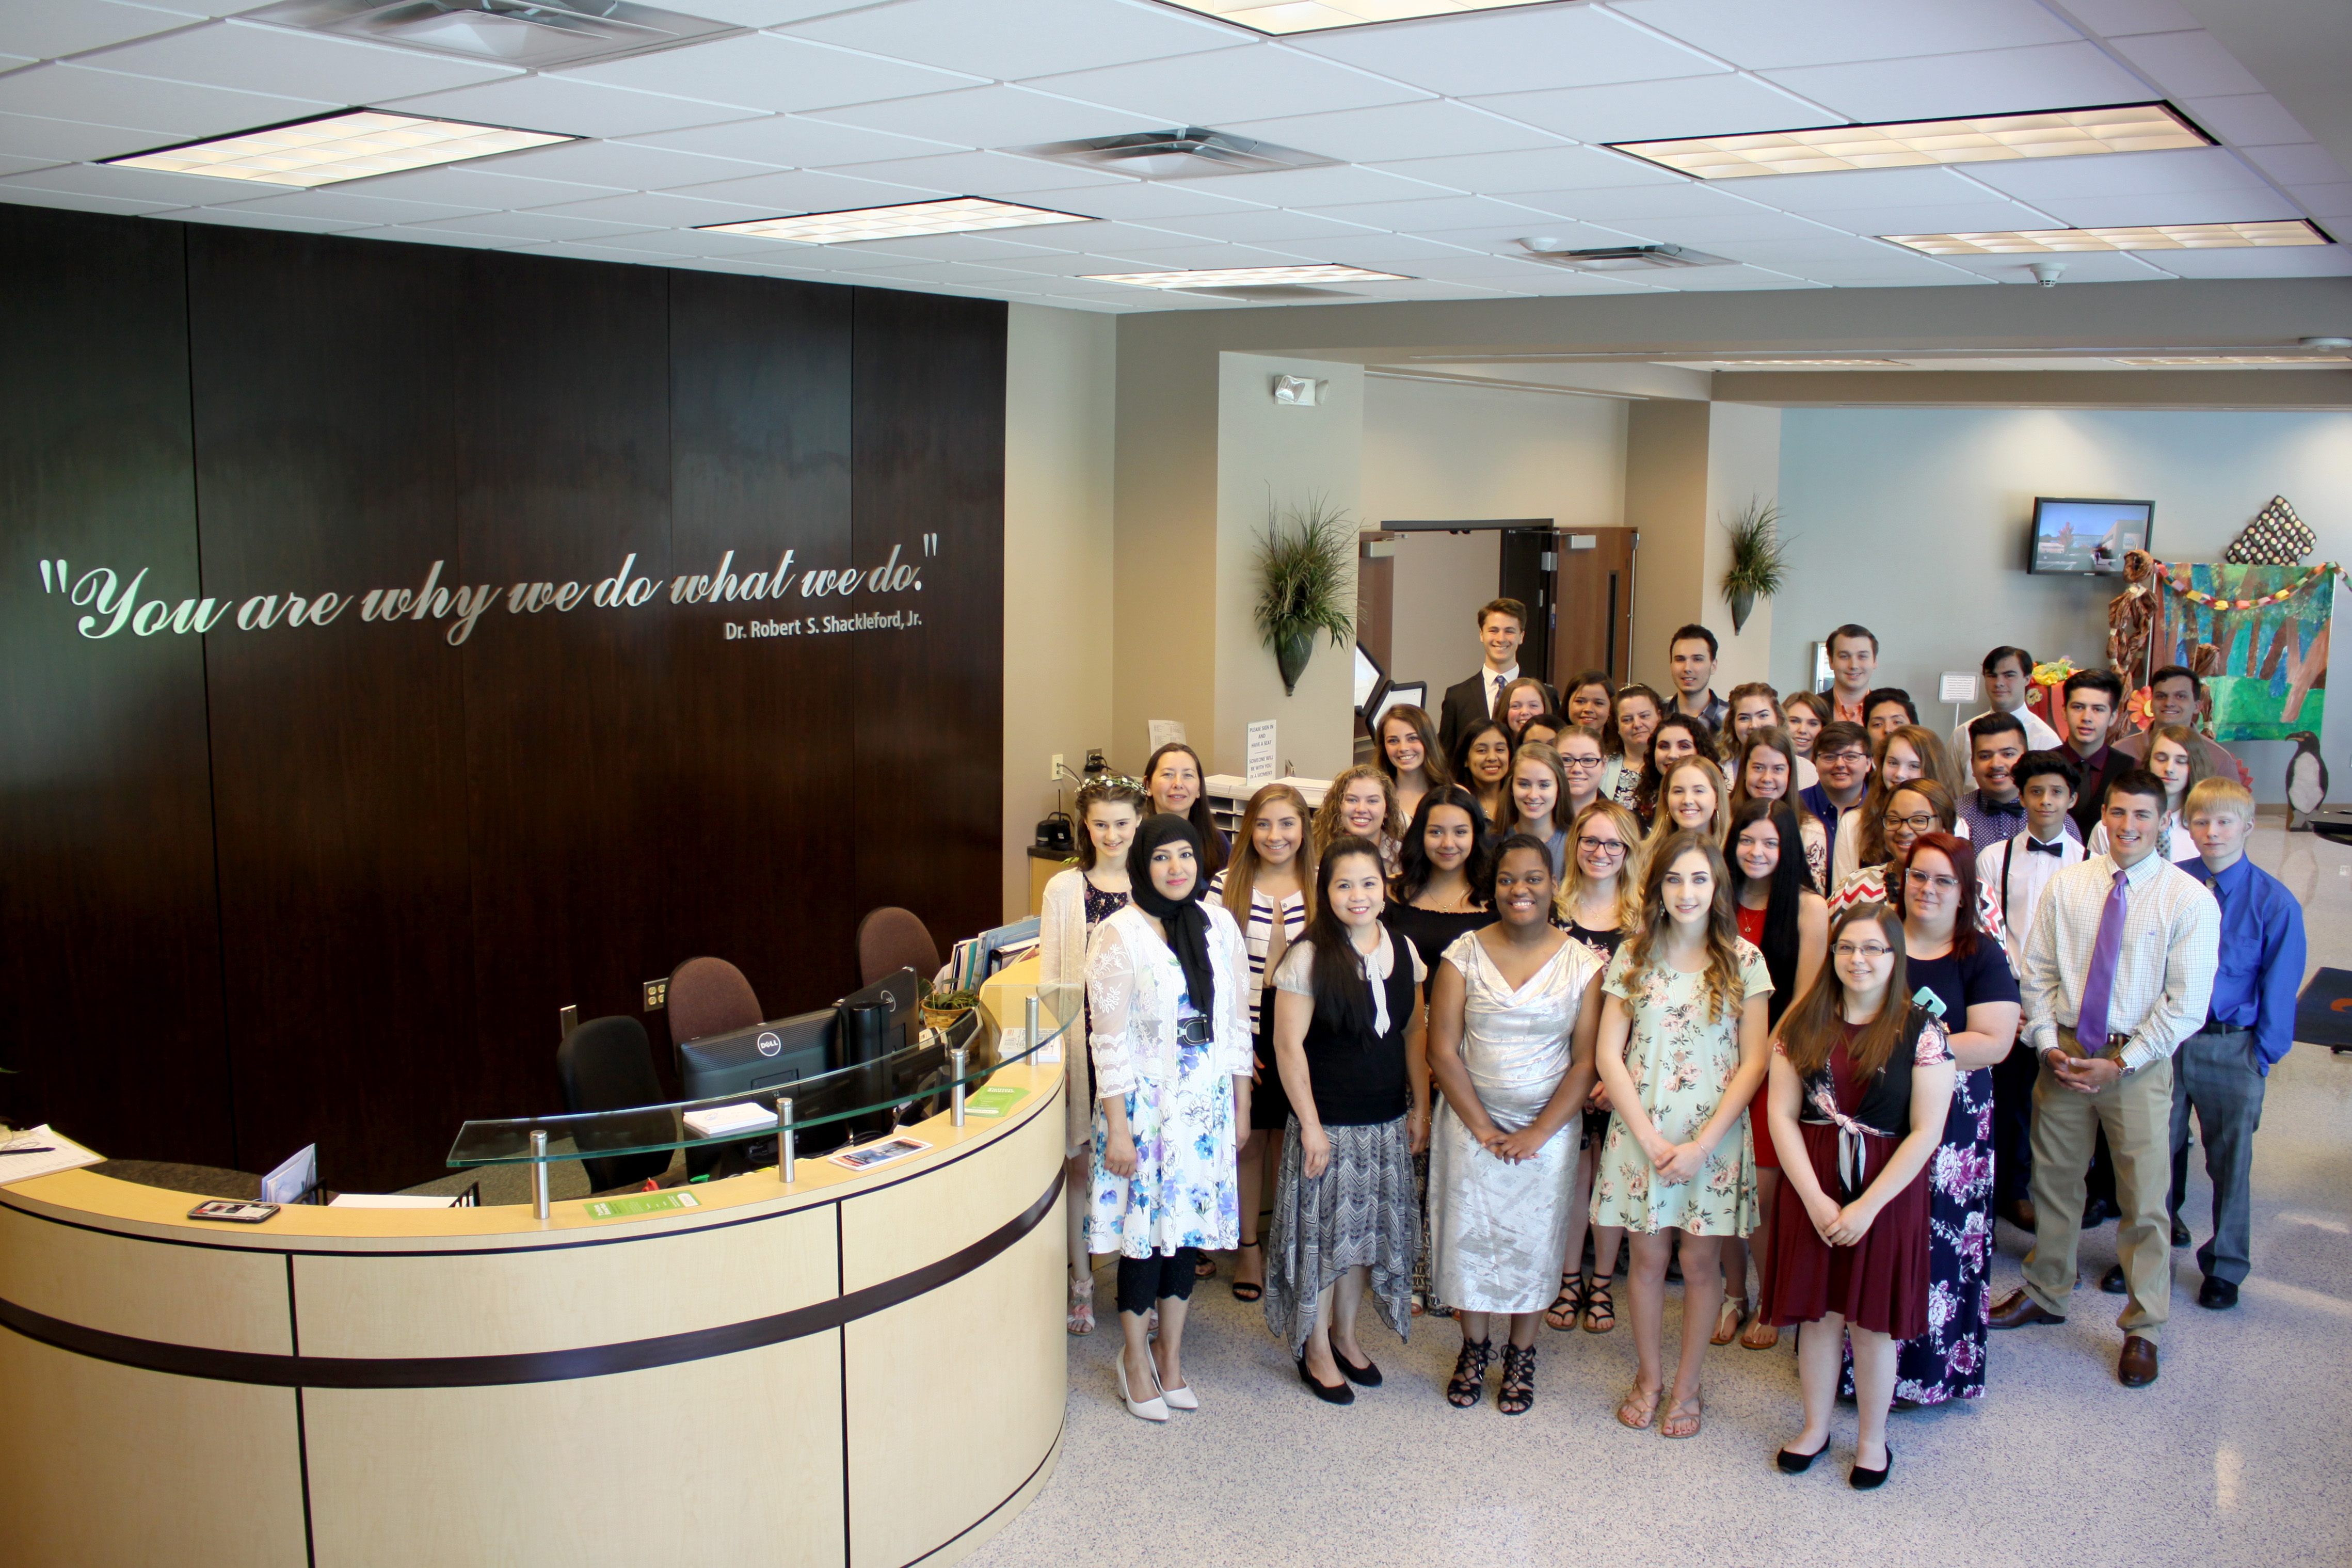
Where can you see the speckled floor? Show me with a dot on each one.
(2240, 1453)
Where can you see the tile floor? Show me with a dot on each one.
(2240, 1453)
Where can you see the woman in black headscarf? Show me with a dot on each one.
(1167, 993)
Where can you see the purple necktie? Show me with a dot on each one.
(2091, 1029)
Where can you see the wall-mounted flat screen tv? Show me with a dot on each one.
(2087, 538)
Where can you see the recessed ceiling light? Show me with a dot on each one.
(1316, 16)
(2240, 359)
(2060, 133)
(338, 147)
(1619, 258)
(513, 32)
(1246, 277)
(2156, 237)
(907, 220)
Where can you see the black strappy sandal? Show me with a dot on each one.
(1245, 1289)
(1517, 1395)
(1468, 1384)
(1569, 1305)
(1600, 1308)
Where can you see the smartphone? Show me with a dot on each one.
(233, 1211)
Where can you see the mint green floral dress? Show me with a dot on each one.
(1681, 1062)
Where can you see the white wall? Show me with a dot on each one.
(1058, 431)
(1438, 450)
(1743, 464)
(1913, 522)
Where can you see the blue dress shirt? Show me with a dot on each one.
(1816, 799)
(2261, 956)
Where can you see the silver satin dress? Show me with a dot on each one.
(1498, 1232)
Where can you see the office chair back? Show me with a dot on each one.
(607, 1063)
(890, 939)
(710, 996)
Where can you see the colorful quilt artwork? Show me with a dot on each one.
(2258, 635)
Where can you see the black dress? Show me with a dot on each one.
(1595, 1123)
(1431, 932)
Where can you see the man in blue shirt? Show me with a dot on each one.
(2250, 1025)
(1842, 760)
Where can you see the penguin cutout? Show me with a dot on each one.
(2307, 782)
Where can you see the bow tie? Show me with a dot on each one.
(2036, 847)
(2001, 807)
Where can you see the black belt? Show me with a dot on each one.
(2215, 1026)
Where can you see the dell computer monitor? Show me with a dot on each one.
(2087, 538)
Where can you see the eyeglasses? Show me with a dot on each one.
(1845, 756)
(1920, 824)
(1867, 952)
(1942, 884)
(1600, 846)
(1580, 761)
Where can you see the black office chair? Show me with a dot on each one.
(607, 1063)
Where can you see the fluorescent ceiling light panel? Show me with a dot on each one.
(2241, 359)
(1246, 277)
(907, 220)
(340, 147)
(2154, 236)
(1279, 17)
(2060, 133)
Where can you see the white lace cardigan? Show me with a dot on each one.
(1133, 985)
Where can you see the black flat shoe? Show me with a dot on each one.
(2112, 1281)
(1329, 1393)
(2180, 1236)
(1797, 1464)
(1367, 1375)
(2216, 1295)
(1864, 1480)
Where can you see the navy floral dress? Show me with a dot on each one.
(1947, 1361)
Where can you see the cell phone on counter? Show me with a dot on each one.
(233, 1211)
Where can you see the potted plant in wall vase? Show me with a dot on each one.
(1758, 568)
(1305, 585)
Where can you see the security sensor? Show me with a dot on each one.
(2047, 273)
(1299, 391)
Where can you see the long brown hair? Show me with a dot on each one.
(1214, 851)
(1662, 822)
(1612, 741)
(2182, 736)
(1097, 791)
(1241, 872)
(1433, 757)
(1508, 821)
(1725, 992)
(1329, 825)
(1811, 1030)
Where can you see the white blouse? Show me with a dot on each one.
(1133, 987)
(1296, 973)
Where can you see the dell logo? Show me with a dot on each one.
(768, 1042)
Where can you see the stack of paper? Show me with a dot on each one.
(41, 1152)
(720, 1120)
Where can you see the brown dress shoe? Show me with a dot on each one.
(2137, 1367)
(2018, 1308)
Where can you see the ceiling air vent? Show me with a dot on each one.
(1184, 154)
(1620, 257)
(534, 33)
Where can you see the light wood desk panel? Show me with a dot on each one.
(224, 1299)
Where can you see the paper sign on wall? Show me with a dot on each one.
(1959, 686)
(1166, 733)
(1260, 769)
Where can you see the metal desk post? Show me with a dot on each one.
(955, 1096)
(539, 1172)
(785, 1138)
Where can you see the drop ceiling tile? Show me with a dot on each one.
(997, 116)
(171, 110)
(1323, 187)
(2252, 205)
(1041, 38)
(2305, 165)
(979, 249)
(33, 136)
(245, 218)
(1510, 51)
(808, 191)
(1682, 198)
(11, 62)
(1429, 129)
(1389, 252)
(1642, 111)
(1888, 265)
(2330, 200)
(688, 243)
(1502, 238)
(1999, 82)
(1828, 32)
(622, 165)
(1269, 225)
(1189, 256)
(1256, 81)
(1422, 289)
(1444, 213)
(1727, 281)
(2044, 180)
(2118, 18)
(532, 225)
(2082, 267)
(74, 201)
(1049, 267)
(570, 107)
(2189, 64)
(252, 58)
(2311, 262)
(70, 27)
(790, 141)
(979, 174)
(770, 13)
(1798, 254)
(142, 184)
(1544, 169)
(9, 165)
(949, 273)
(659, 209)
(1988, 215)
(1102, 238)
(2247, 119)
(761, 71)
(1142, 201)
(1715, 231)
(451, 239)
(477, 188)
(330, 202)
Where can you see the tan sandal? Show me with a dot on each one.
(1674, 1414)
(1760, 1335)
(1728, 1321)
(1646, 1410)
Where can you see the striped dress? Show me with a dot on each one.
(1269, 1106)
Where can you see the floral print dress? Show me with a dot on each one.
(1681, 1062)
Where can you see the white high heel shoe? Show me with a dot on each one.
(1177, 1398)
(1152, 1409)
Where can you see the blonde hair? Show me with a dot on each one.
(1662, 822)
(2218, 792)
(1241, 875)
(1576, 884)
(1726, 992)
(1327, 823)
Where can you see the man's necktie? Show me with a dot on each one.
(2099, 984)
(1494, 703)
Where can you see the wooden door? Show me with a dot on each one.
(1593, 592)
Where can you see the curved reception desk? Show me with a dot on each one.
(851, 1370)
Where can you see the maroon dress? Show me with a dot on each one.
(1881, 1282)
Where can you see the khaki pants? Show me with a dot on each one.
(2136, 1113)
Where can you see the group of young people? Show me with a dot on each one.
(1716, 980)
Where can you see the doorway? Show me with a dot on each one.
(1593, 590)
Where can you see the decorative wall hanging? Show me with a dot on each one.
(2257, 636)
(1306, 585)
(1759, 565)
(2275, 538)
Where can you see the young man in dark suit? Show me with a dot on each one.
(1502, 627)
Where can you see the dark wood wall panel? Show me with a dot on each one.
(324, 374)
(109, 973)
(929, 702)
(759, 852)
